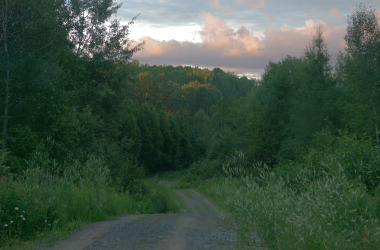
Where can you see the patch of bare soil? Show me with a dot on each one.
(199, 226)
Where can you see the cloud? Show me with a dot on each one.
(155, 48)
(226, 6)
(253, 4)
(216, 5)
(216, 35)
(293, 41)
(239, 49)
(338, 15)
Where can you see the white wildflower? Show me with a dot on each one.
(5, 225)
(11, 221)
(16, 208)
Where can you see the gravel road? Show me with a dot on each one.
(199, 226)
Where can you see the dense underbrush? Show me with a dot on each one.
(50, 200)
(329, 199)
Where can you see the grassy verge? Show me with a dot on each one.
(331, 213)
(44, 207)
(204, 188)
(328, 198)
(162, 189)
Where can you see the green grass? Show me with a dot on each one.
(203, 188)
(161, 189)
(331, 213)
(43, 207)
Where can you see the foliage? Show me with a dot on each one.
(42, 200)
(312, 131)
(330, 212)
(83, 125)
(200, 171)
(359, 70)
(77, 142)
(92, 33)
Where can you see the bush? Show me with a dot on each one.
(12, 215)
(329, 212)
(360, 158)
(357, 156)
(42, 200)
(200, 170)
(45, 201)
(128, 177)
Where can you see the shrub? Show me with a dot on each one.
(328, 212)
(128, 177)
(357, 156)
(49, 200)
(42, 200)
(201, 170)
(12, 213)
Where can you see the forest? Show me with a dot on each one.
(85, 127)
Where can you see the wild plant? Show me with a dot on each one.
(12, 223)
(329, 212)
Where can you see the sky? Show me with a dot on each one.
(239, 36)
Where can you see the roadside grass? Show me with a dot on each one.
(331, 213)
(166, 197)
(165, 183)
(328, 198)
(204, 187)
(180, 179)
(199, 171)
(18, 245)
(170, 176)
(44, 207)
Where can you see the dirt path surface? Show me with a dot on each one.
(199, 226)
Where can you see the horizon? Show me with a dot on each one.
(239, 36)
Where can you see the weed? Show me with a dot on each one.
(331, 212)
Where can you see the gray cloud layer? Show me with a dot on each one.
(228, 37)
(238, 50)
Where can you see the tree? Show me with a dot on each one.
(150, 153)
(92, 33)
(360, 70)
(198, 95)
(30, 29)
(311, 102)
(4, 36)
(270, 109)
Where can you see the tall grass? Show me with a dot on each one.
(49, 196)
(331, 212)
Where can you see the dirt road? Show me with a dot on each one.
(199, 226)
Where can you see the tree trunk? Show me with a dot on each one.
(6, 104)
(376, 128)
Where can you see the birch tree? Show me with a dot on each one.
(361, 70)
(93, 32)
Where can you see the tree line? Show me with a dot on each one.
(72, 90)
(315, 99)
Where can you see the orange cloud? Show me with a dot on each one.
(216, 35)
(239, 49)
(155, 48)
(293, 41)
